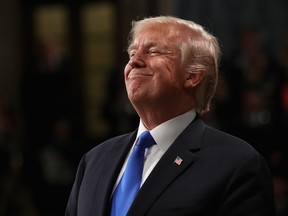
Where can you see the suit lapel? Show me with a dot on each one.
(110, 169)
(166, 171)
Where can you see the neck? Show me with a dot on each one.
(152, 117)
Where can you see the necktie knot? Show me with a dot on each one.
(145, 140)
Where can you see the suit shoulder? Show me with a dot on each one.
(106, 145)
(232, 143)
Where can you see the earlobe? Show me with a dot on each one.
(194, 78)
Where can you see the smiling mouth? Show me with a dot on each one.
(131, 75)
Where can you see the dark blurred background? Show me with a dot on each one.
(62, 92)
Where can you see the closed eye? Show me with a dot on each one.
(131, 53)
(154, 52)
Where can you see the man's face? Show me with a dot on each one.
(153, 74)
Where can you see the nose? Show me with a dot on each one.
(137, 61)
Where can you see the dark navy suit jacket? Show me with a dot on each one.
(221, 175)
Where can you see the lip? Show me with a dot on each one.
(138, 74)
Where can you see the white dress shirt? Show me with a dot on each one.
(164, 135)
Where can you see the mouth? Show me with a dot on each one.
(138, 75)
(133, 74)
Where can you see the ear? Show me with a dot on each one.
(193, 78)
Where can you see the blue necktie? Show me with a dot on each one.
(130, 182)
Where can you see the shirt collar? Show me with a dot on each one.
(166, 133)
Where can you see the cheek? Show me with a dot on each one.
(163, 67)
(170, 72)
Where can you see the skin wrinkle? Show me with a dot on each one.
(151, 55)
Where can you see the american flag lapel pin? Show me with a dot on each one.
(178, 160)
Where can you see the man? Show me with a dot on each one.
(193, 169)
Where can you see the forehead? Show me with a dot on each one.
(159, 33)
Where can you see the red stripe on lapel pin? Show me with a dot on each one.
(178, 160)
